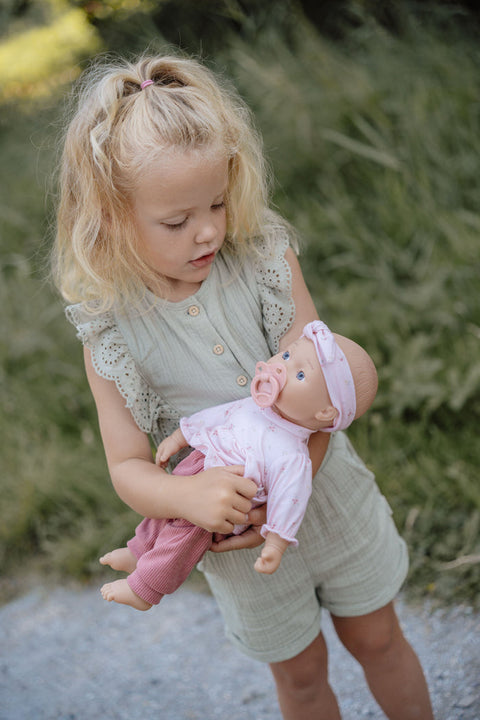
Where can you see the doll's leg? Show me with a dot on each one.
(391, 667)
(125, 559)
(172, 548)
(160, 571)
(178, 548)
(302, 685)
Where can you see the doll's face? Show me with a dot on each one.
(298, 389)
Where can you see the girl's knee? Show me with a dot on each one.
(304, 672)
(371, 637)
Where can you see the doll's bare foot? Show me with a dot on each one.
(120, 591)
(120, 559)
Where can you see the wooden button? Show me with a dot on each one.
(242, 380)
(218, 349)
(193, 310)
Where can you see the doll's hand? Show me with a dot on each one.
(170, 446)
(271, 556)
(250, 538)
(217, 499)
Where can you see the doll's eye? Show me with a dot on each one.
(286, 355)
(300, 375)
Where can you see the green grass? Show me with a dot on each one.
(375, 142)
(376, 159)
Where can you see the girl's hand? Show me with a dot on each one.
(217, 499)
(251, 538)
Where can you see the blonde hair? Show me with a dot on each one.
(116, 130)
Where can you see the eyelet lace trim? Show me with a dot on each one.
(274, 278)
(112, 360)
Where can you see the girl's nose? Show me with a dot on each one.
(206, 233)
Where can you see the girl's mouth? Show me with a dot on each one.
(203, 261)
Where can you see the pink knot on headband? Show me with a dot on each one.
(336, 372)
(145, 84)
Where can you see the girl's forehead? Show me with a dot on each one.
(181, 180)
(171, 162)
(171, 155)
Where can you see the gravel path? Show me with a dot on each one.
(68, 655)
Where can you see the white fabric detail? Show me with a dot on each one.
(274, 279)
(112, 360)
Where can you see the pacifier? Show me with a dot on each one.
(269, 381)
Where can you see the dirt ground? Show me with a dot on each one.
(66, 654)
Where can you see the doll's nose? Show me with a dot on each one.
(268, 383)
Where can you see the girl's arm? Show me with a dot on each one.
(216, 499)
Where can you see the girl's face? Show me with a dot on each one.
(179, 209)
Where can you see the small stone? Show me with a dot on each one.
(466, 701)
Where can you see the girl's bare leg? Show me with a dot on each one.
(391, 667)
(120, 559)
(302, 685)
(120, 591)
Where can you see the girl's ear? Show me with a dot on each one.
(326, 417)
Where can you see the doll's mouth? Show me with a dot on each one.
(267, 383)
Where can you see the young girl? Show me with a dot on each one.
(181, 277)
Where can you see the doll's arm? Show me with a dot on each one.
(271, 555)
(170, 446)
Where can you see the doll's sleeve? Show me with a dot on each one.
(198, 427)
(289, 489)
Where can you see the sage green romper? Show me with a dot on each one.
(174, 359)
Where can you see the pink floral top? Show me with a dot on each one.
(273, 450)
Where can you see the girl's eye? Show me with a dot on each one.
(286, 355)
(218, 206)
(176, 226)
(300, 375)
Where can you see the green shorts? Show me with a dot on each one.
(350, 560)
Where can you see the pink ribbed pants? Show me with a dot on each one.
(167, 550)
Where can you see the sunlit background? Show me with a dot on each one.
(371, 118)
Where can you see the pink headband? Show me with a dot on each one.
(336, 372)
(145, 84)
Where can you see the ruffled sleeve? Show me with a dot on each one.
(274, 281)
(112, 360)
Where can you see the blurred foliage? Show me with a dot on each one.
(376, 158)
(35, 59)
(372, 128)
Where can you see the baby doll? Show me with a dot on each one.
(320, 382)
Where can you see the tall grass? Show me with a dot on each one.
(375, 143)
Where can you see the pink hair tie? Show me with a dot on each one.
(145, 84)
